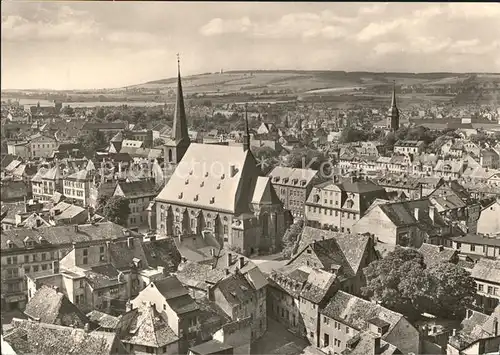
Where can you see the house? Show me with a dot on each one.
(409, 147)
(49, 305)
(76, 187)
(346, 316)
(267, 128)
(405, 223)
(479, 334)
(293, 186)
(478, 245)
(67, 213)
(489, 158)
(139, 194)
(104, 127)
(211, 347)
(169, 296)
(489, 222)
(41, 146)
(148, 331)
(37, 251)
(239, 299)
(27, 337)
(435, 254)
(486, 273)
(338, 205)
(46, 182)
(103, 275)
(326, 262)
(19, 149)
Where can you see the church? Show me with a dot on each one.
(220, 191)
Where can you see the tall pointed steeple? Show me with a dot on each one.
(393, 102)
(180, 129)
(393, 114)
(246, 134)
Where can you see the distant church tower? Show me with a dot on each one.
(393, 115)
(246, 134)
(176, 147)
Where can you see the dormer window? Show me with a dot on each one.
(10, 245)
(202, 184)
(303, 182)
(28, 242)
(191, 172)
(285, 180)
(196, 197)
(186, 182)
(222, 176)
(212, 200)
(218, 186)
(276, 178)
(206, 174)
(180, 195)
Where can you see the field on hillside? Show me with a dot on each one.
(300, 81)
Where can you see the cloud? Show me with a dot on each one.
(374, 30)
(218, 26)
(324, 24)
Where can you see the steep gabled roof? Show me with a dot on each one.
(48, 305)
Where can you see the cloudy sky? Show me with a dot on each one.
(69, 45)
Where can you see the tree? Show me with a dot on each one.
(68, 110)
(402, 282)
(385, 278)
(117, 210)
(351, 134)
(290, 238)
(100, 113)
(158, 141)
(454, 290)
(91, 142)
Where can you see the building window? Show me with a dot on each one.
(85, 252)
(35, 268)
(325, 320)
(490, 290)
(85, 260)
(480, 287)
(472, 247)
(326, 339)
(44, 267)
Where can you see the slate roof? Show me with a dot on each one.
(357, 312)
(104, 320)
(292, 176)
(135, 189)
(41, 338)
(176, 295)
(235, 288)
(65, 234)
(162, 253)
(66, 211)
(122, 255)
(435, 254)
(210, 347)
(52, 174)
(335, 247)
(82, 175)
(50, 306)
(477, 326)
(363, 344)
(317, 285)
(487, 270)
(211, 318)
(150, 328)
(103, 276)
(264, 192)
(477, 239)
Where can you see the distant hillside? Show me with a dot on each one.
(301, 81)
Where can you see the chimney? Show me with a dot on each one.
(130, 242)
(434, 329)
(76, 228)
(229, 257)
(86, 327)
(376, 345)
(454, 332)
(226, 271)
(232, 170)
(74, 245)
(432, 210)
(128, 306)
(416, 213)
(242, 262)
(495, 326)
(212, 252)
